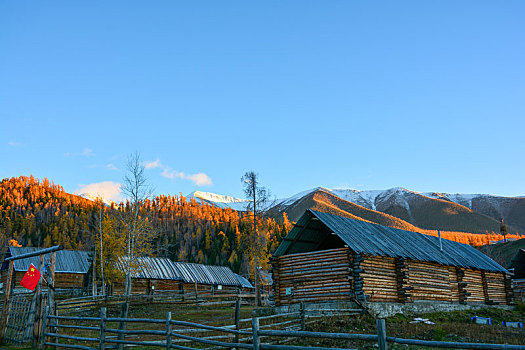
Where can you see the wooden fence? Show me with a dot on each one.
(81, 304)
(256, 333)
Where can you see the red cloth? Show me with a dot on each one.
(31, 278)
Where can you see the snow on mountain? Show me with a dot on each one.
(365, 199)
(219, 200)
(461, 199)
(289, 201)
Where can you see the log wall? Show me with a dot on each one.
(143, 286)
(315, 276)
(430, 281)
(496, 289)
(62, 280)
(379, 278)
(341, 274)
(473, 285)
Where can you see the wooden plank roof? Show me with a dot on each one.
(377, 240)
(67, 261)
(165, 269)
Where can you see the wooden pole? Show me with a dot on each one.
(102, 339)
(381, 334)
(51, 282)
(303, 316)
(8, 285)
(255, 333)
(237, 318)
(38, 307)
(168, 330)
(124, 308)
(44, 328)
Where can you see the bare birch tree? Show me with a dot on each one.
(135, 216)
(258, 197)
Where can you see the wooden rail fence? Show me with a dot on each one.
(252, 333)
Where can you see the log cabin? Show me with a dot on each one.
(162, 274)
(71, 266)
(209, 278)
(150, 274)
(327, 257)
(517, 265)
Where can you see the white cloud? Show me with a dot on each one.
(168, 173)
(153, 164)
(199, 179)
(111, 167)
(14, 144)
(86, 152)
(108, 190)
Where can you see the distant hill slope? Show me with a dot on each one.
(512, 209)
(329, 203)
(399, 207)
(503, 253)
(396, 207)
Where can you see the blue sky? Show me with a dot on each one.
(426, 95)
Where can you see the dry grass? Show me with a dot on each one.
(452, 326)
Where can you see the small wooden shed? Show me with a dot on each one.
(329, 257)
(71, 266)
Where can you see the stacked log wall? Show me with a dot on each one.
(496, 289)
(454, 284)
(379, 278)
(341, 274)
(403, 285)
(314, 276)
(430, 281)
(473, 285)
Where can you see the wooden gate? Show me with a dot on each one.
(20, 319)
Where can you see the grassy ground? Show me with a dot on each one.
(452, 326)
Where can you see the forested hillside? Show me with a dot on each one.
(41, 213)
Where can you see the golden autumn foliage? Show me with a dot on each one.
(40, 213)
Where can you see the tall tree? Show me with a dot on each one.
(258, 196)
(135, 215)
(503, 230)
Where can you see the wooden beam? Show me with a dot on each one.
(35, 253)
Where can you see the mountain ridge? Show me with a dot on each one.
(478, 213)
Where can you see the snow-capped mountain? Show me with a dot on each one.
(432, 210)
(219, 200)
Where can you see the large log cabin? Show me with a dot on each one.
(71, 267)
(327, 257)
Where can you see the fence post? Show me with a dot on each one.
(255, 332)
(237, 318)
(55, 329)
(303, 315)
(102, 340)
(124, 309)
(168, 330)
(381, 334)
(44, 327)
